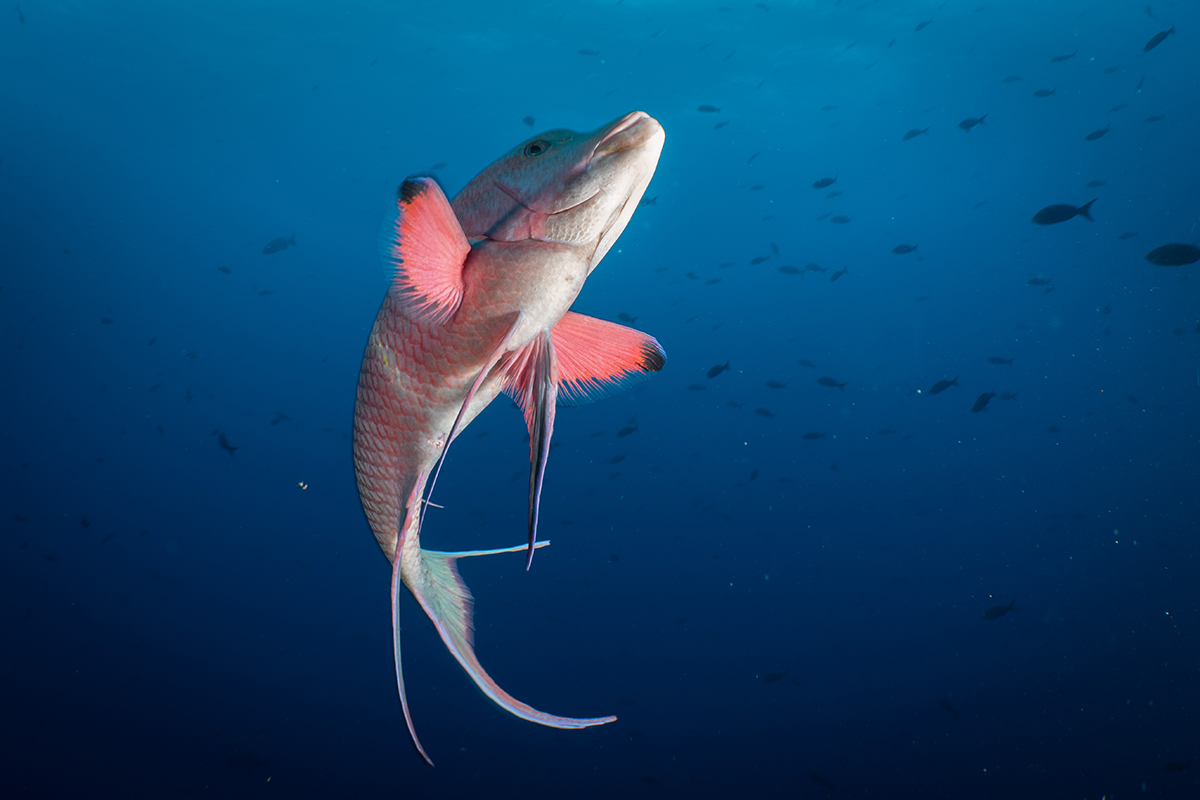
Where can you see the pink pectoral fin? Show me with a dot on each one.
(436, 584)
(422, 240)
(597, 357)
(532, 379)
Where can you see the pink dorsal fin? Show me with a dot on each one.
(531, 378)
(422, 240)
(596, 357)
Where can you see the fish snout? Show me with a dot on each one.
(635, 129)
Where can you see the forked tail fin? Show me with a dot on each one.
(433, 578)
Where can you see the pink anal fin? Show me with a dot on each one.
(422, 240)
(531, 378)
(413, 508)
(597, 358)
(433, 578)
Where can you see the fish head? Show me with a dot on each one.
(565, 187)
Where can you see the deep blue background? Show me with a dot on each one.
(215, 630)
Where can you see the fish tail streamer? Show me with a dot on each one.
(432, 576)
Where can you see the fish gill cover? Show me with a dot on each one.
(787, 567)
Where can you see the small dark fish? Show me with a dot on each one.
(155, 387)
(921, 25)
(720, 125)
(266, 292)
(804, 362)
(946, 705)
(717, 370)
(691, 276)
(1060, 59)
(1095, 184)
(1011, 79)
(226, 270)
(707, 109)
(19, 518)
(942, 386)
(1157, 39)
(1127, 235)
(1094, 135)
(831, 383)
(1038, 281)
(901, 249)
(981, 402)
(437, 166)
(1175, 766)
(971, 122)
(758, 260)
(1008, 395)
(832, 195)
(280, 417)
(1051, 215)
(1150, 12)
(589, 52)
(695, 387)
(161, 430)
(774, 677)
(1053, 428)
(106, 320)
(649, 201)
(1154, 118)
(617, 459)
(628, 429)
(814, 268)
(223, 441)
(812, 436)
(775, 385)
(788, 269)
(840, 220)
(624, 317)
(824, 216)
(1174, 255)
(275, 245)
(758, 187)
(914, 133)
(1045, 92)
(996, 612)
(821, 780)
(997, 360)
(529, 121)
(823, 182)
(774, 249)
(750, 160)
(1141, 82)
(1111, 70)
(762, 412)
(838, 274)
(83, 523)
(1117, 107)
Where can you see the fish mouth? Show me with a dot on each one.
(630, 131)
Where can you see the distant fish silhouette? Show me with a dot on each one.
(1045, 92)
(529, 121)
(1052, 215)
(223, 441)
(823, 182)
(1060, 59)
(970, 122)
(942, 386)
(914, 133)
(275, 245)
(996, 612)
(1157, 39)
(707, 109)
(1094, 135)
(717, 370)
(831, 383)
(902, 249)
(1174, 255)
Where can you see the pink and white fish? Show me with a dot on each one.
(479, 306)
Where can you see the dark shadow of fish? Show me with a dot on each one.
(996, 612)
(1052, 215)
(275, 245)
(946, 705)
(223, 442)
(943, 385)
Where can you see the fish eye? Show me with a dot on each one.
(536, 148)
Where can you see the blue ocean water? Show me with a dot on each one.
(778, 586)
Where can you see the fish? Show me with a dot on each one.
(774, 248)
(627, 430)
(224, 444)
(776, 385)
(1094, 135)
(83, 523)
(840, 219)
(829, 108)
(754, 474)
(1157, 39)
(981, 402)
(914, 133)
(824, 216)
(720, 125)
(589, 52)
(921, 25)
(717, 370)
(772, 677)
(478, 306)
(838, 274)
(946, 705)
(832, 195)
(275, 245)
(1052, 215)
(831, 383)
(1141, 82)
(753, 156)
(763, 412)
(901, 249)
(943, 385)
(804, 362)
(225, 270)
(812, 436)
(1154, 118)
(1060, 59)
(823, 182)
(788, 269)
(999, 360)
(648, 201)
(1111, 70)
(758, 260)
(996, 612)
(280, 417)
(707, 109)
(1095, 184)
(1045, 92)
(1117, 107)
(1008, 395)
(1126, 235)
(1174, 255)
(971, 122)
(1038, 281)
(529, 121)
(1176, 766)
(624, 317)
(1011, 79)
